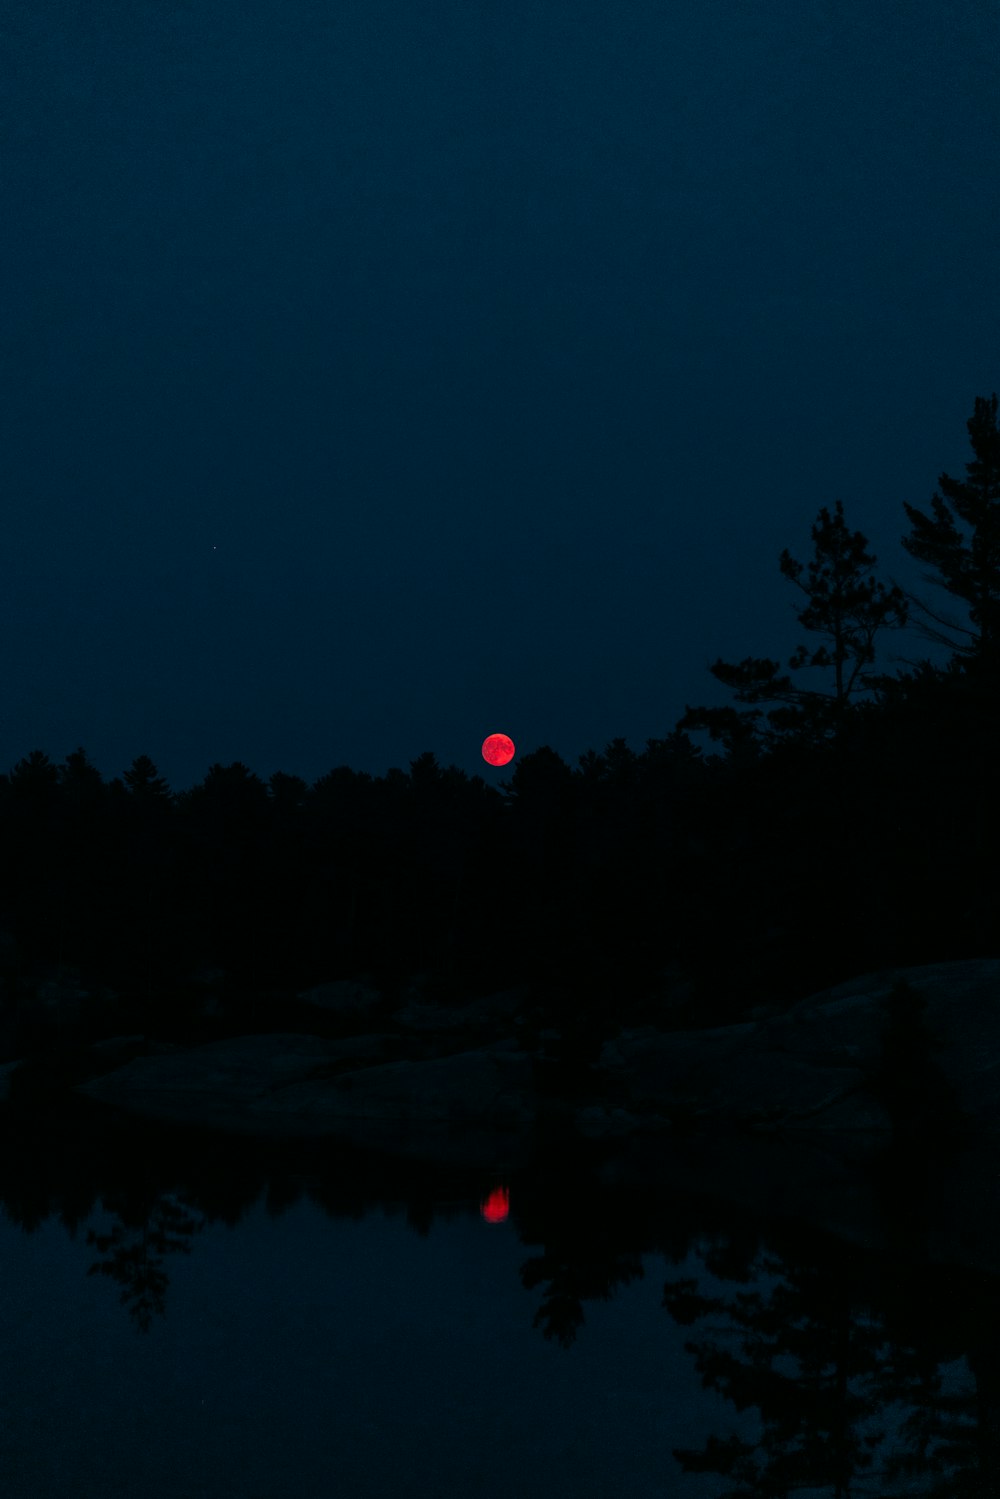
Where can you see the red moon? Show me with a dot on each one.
(498, 749)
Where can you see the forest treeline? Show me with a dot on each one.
(842, 818)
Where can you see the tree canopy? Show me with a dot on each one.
(965, 563)
(847, 607)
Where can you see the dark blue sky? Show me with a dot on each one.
(376, 375)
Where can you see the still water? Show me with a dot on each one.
(186, 1316)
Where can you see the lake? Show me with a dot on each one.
(182, 1314)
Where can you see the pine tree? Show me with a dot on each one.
(847, 607)
(80, 781)
(967, 566)
(144, 781)
(33, 782)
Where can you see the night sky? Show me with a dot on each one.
(377, 375)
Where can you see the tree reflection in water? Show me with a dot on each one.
(135, 1253)
(589, 1247)
(569, 1284)
(850, 1377)
(873, 1374)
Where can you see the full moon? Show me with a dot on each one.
(498, 749)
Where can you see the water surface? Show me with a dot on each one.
(183, 1315)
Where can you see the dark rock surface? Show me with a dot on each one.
(788, 1120)
(811, 1067)
(288, 1086)
(218, 1084)
(488, 1017)
(785, 1112)
(808, 1072)
(347, 998)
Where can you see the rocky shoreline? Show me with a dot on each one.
(798, 1111)
(822, 1066)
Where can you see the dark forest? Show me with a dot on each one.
(841, 819)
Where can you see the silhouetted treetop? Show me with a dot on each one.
(231, 795)
(34, 774)
(966, 565)
(287, 792)
(845, 605)
(144, 781)
(540, 775)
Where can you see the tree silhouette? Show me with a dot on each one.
(961, 543)
(796, 782)
(81, 781)
(695, 884)
(967, 566)
(288, 793)
(801, 1341)
(34, 778)
(135, 1253)
(230, 798)
(144, 781)
(569, 1281)
(847, 606)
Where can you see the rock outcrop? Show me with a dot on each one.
(812, 1067)
(290, 1086)
(348, 999)
(813, 1070)
(219, 1084)
(795, 1113)
(485, 1019)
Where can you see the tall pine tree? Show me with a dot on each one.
(145, 782)
(847, 607)
(966, 564)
